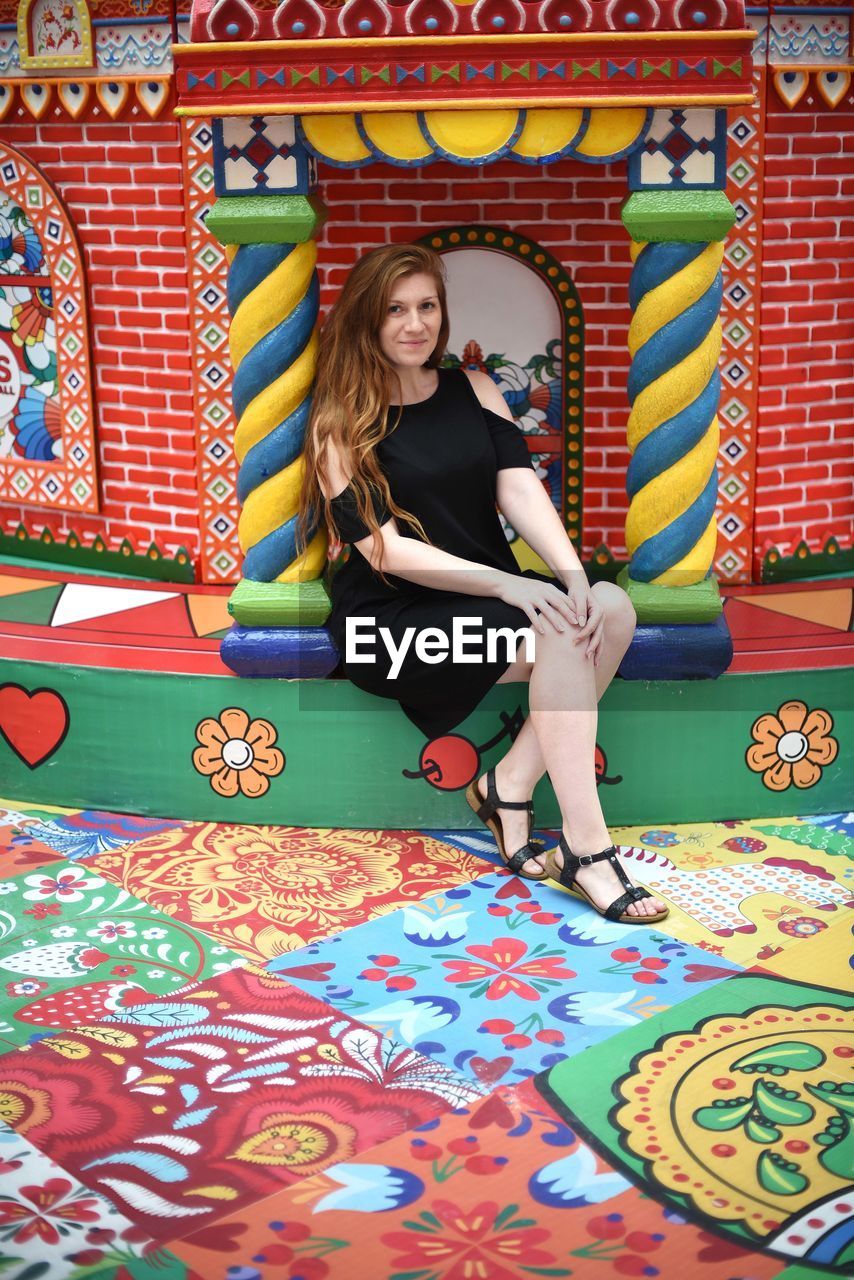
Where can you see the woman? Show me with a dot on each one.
(408, 459)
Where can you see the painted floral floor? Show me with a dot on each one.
(252, 1053)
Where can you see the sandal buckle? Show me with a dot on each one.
(586, 860)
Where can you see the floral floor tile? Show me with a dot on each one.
(500, 978)
(15, 810)
(737, 889)
(734, 1108)
(76, 949)
(829, 956)
(267, 890)
(181, 1110)
(19, 849)
(88, 832)
(51, 1226)
(501, 1191)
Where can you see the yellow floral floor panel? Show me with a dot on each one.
(743, 890)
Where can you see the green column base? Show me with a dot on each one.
(699, 602)
(280, 604)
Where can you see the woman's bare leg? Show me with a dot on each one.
(560, 734)
(518, 772)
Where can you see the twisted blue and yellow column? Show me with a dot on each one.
(280, 604)
(673, 432)
(273, 298)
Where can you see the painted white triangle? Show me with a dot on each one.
(80, 602)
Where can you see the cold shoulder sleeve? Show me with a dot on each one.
(347, 519)
(509, 443)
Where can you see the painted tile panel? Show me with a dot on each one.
(181, 1110)
(54, 1228)
(500, 978)
(503, 1190)
(75, 949)
(266, 891)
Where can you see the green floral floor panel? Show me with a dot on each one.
(76, 949)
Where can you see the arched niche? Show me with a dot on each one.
(47, 444)
(55, 33)
(515, 314)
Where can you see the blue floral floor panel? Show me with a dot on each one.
(500, 978)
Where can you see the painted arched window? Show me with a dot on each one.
(47, 453)
(516, 315)
(55, 33)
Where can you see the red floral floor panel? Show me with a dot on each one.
(267, 890)
(234, 1053)
(501, 1191)
(180, 1108)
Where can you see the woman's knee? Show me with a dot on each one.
(518, 671)
(618, 608)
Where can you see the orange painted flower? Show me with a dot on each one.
(791, 746)
(237, 753)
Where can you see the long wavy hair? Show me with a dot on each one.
(353, 387)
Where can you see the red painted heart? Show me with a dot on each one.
(309, 972)
(34, 724)
(490, 1070)
(513, 887)
(493, 1111)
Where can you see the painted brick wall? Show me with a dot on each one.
(573, 210)
(805, 461)
(122, 186)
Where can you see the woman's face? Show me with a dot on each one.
(413, 318)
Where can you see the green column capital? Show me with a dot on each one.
(266, 219)
(685, 216)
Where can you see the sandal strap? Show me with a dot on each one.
(572, 864)
(527, 853)
(618, 867)
(493, 801)
(633, 894)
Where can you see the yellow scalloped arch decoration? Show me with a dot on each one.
(611, 130)
(396, 134)
(547, 131)
(406, 136)
(471, 134)
(335, 137)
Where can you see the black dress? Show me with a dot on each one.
(441, 462)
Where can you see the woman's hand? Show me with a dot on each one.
(544, 604)
(587, 612)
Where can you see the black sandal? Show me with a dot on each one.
(565, 876)
(486, 811)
